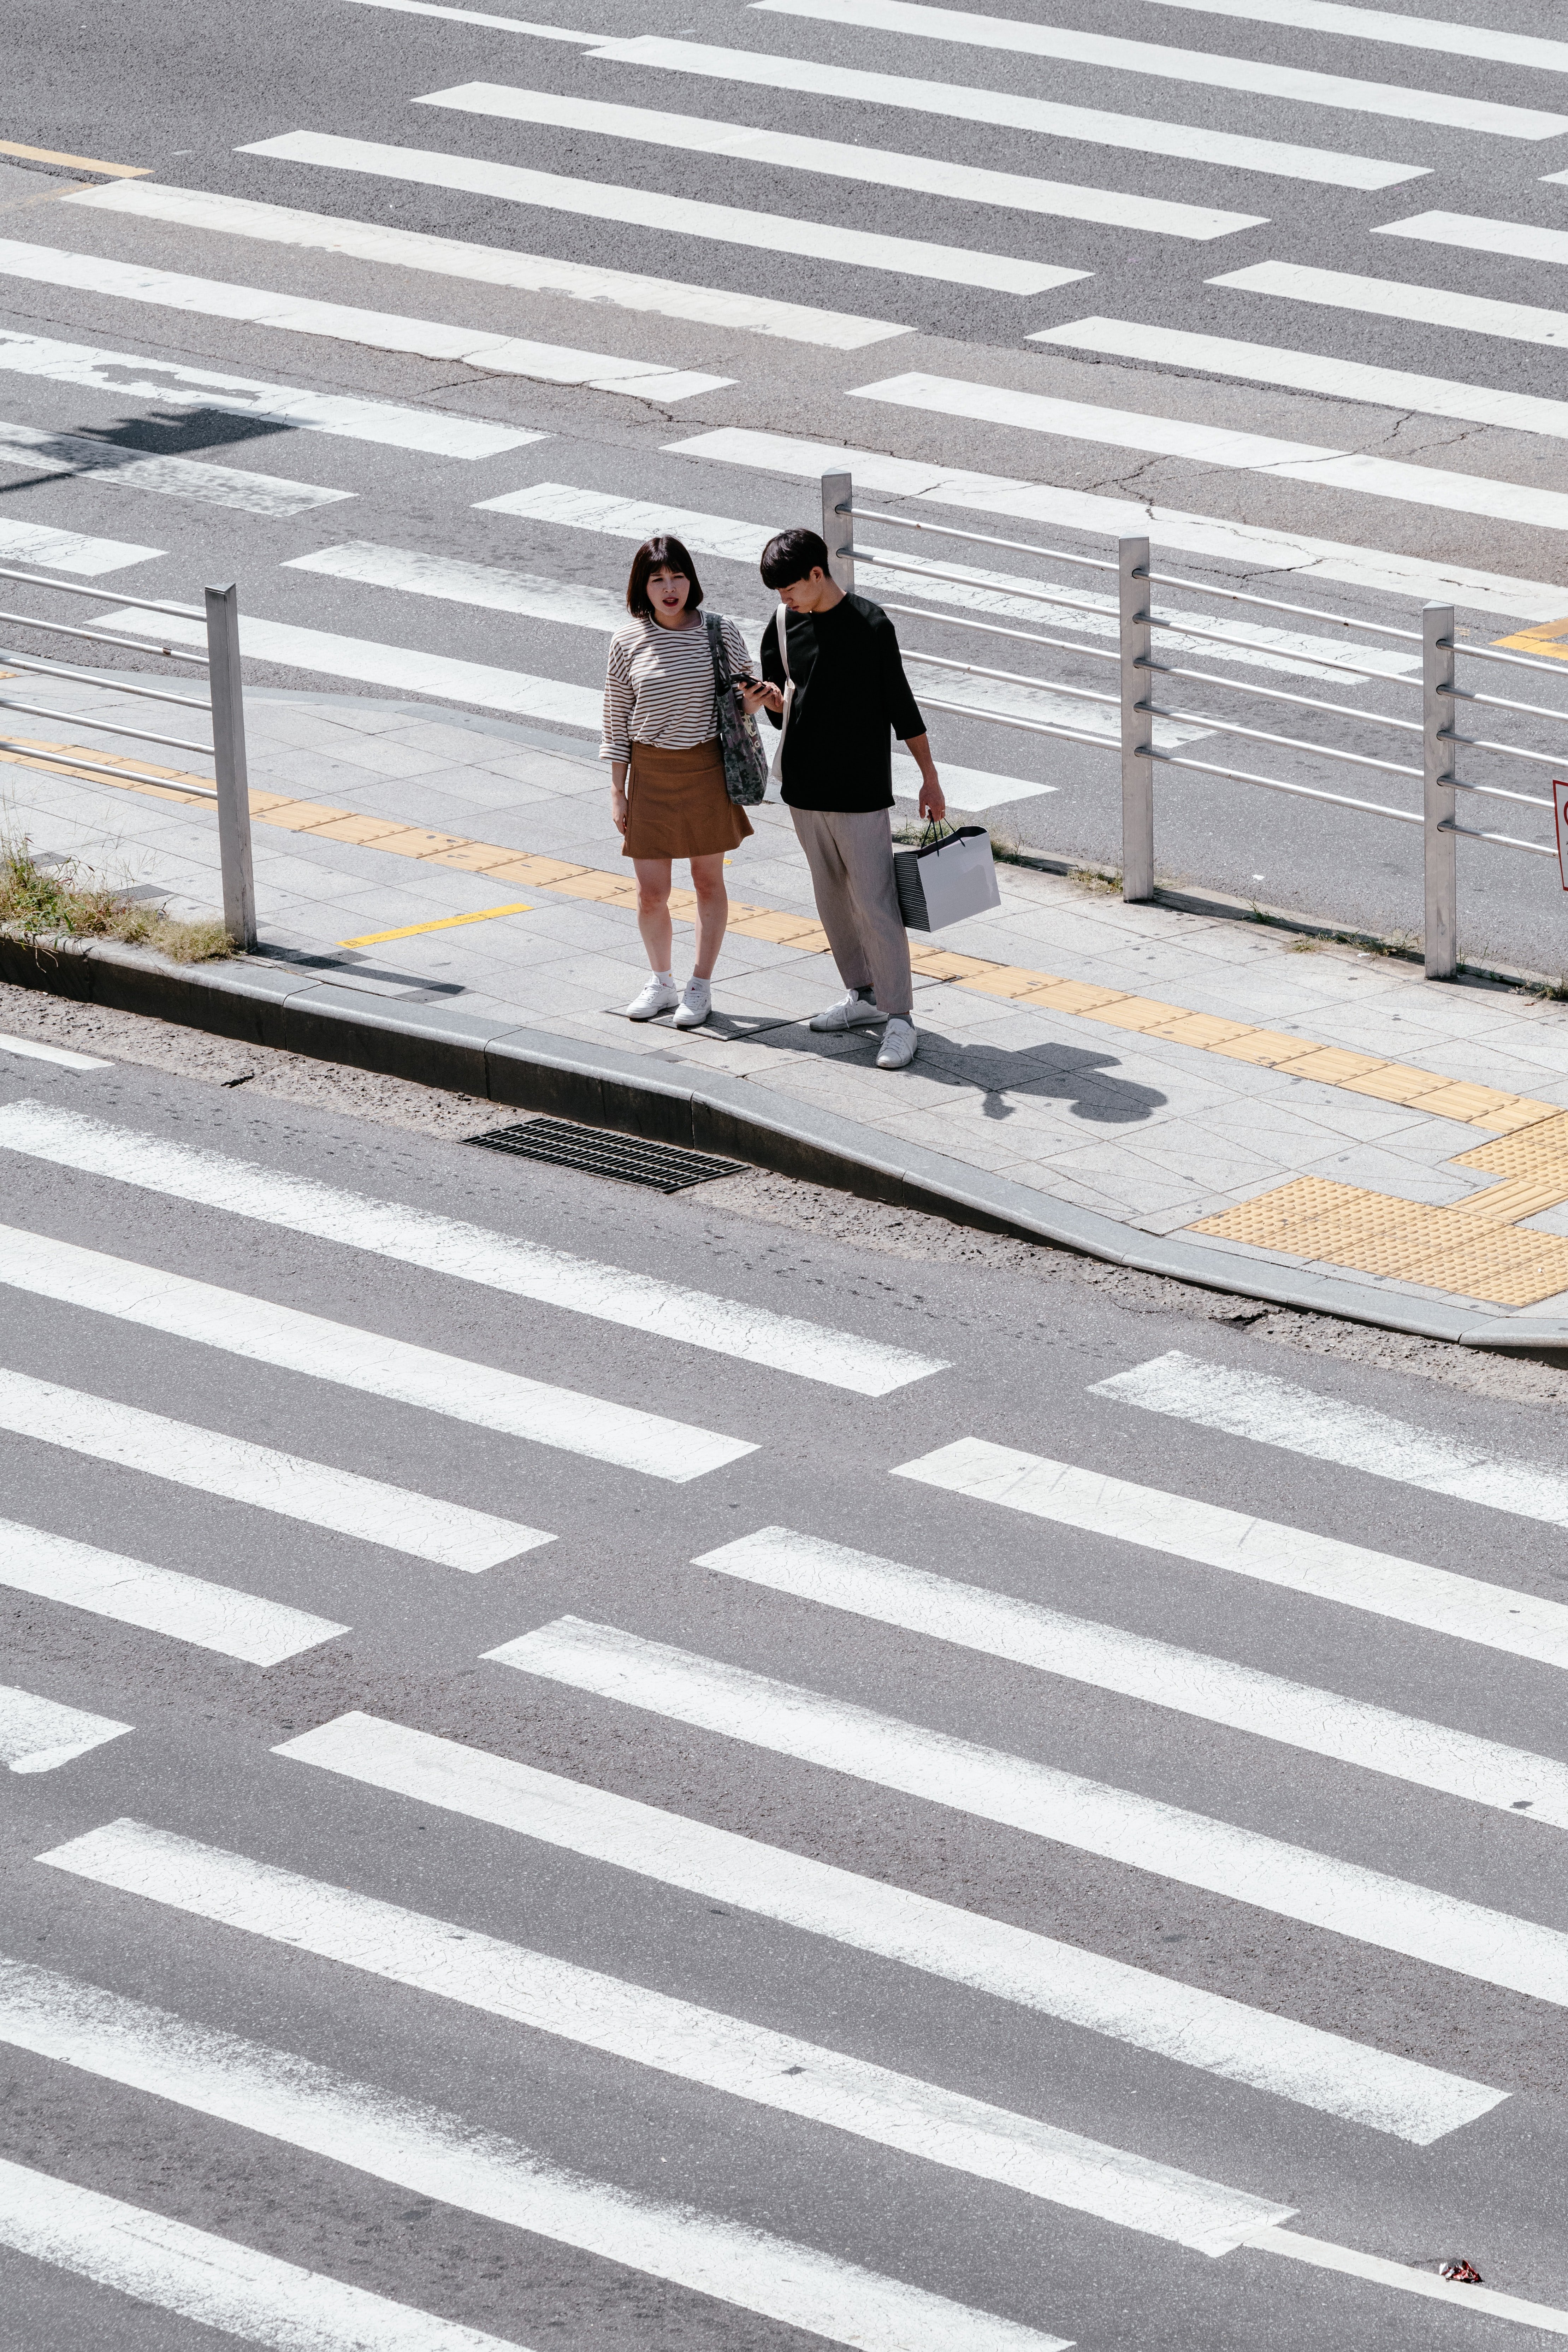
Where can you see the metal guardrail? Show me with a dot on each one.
(1142, 675)
(224, 703)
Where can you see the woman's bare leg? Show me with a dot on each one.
(712, 911)
(653, 909)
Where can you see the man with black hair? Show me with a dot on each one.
(850, 695)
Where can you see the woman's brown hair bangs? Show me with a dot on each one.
(660, 553)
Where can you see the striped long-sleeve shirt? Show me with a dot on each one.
(658, 687)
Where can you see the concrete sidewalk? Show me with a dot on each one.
(1294, 1104)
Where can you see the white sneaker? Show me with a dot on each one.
(900, 1044)
(658, 996)
(696, 1004)
(851, 1011)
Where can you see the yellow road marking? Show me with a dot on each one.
(448, 923)
(76, 162)
(1538, 639)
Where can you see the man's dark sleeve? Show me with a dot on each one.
(773, 666)
(904, 711)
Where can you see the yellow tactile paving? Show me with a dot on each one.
(1446, 1249)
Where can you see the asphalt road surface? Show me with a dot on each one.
(591, 1771)
(1302, 264)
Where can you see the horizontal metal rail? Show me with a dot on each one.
(99, 595)
(1279, 694)
(995, 629)
(98, 637)
(977, 538)
(1274, 604)
(104, 727)
(1510, 661)
(1273, 785)
(1499, 792)
(1103, 608)
(1010, 678)
(1502, 702)
(1285, 743)
(1503, 840)
(1507, 751)
(1015, 720)
(1228, 637)
(119, 775)
(101, 679)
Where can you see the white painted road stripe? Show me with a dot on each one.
(437, 2155)
(1139, 1833)
(31, 1049)
(1392, 298)
(38, 1734)
(1430, 395)
(69, 550)
(492, 265)
(187, 1608)
(373, 664)
(412, 572)
(1352, 2263)
(149, 1444)
(1179, 2022)
(428, 430)
(1472, 234)
(1463, 1607)
(262, 1333)
(699, 134)
(679, 2038)
(173, 478)
(675, 215)
(974, 590)
(450, 1245)
(1272, 1411)
(1215, 1690)
(1209, 69)
(216, 2282)
(381, 331)
(1219, 445)
(1437, 35)
(1021, 500)
(477, 16)
(769, 70)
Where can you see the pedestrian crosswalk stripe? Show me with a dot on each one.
(1394, 298)
(449, 1534)
(496, 265)
(133, 1593)
(412, 571)
(1256, 2047)
(373, 664)
(1341, 379)
(1260, 547)
(260, 1332)
(69, 550)
(301, 2105)
(1121, 1825)
(1439, 35)
(1272, 1411)
(1219, 445)
(1209, 69)
(378, 420)
(964, 586)
(39, 1734)
(33, 1049)
(769, 70)
(675, 215)
(216, 2282)
(679, 2038)
(699, 134)
(43, 454)
(1214, 1690)
(452, 1246)
(1498, 1616)
(382, 330)
(477, 16)
(1469, 233)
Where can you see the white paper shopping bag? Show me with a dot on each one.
(944, 881)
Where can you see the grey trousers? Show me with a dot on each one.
(851, 860)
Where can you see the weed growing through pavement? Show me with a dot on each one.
(63, 900)
(1099, 880)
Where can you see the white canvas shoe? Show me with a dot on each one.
(851, 1011)
(900, 1044)
(658, 996)
(696, 1004)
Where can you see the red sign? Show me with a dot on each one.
(1560, 804)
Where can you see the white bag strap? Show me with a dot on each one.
(780, 626)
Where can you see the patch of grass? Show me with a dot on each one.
(1097, 880)
(65, 901)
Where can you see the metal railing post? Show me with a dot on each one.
(1137, 768)
(228, 751)
(1440, 860)
(838, 530)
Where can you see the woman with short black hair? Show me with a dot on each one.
(668, 796)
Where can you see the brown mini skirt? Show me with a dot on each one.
(678, 806)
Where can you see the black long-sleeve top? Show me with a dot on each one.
(851, 696)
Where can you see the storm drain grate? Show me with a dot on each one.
(663, 1166)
